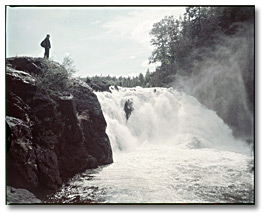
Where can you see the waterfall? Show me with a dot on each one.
(164, 116)
(167, 148)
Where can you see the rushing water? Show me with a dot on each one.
(170, 150)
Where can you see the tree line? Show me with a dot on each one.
(176, 39)
(139, 80)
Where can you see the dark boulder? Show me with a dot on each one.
(28, 165)
(17, 108)
(20, 83)
(92, 122)
(32, 66)
(20, 196)
(21, 159)
(98, 85)
(55, 134)
(116, 88)
(47, 167)
(27, 64)
(73, 156)
(8, 137)
(128, 108)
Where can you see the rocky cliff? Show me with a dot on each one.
(56, 123)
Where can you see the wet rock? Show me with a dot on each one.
(43, 105)
(17, 108)
(98, 85)
(20, 83)
(21, 159)
(116, 88)
(47, 168)
(20, 196)
(27, 64)
(8, 138)
(54, 135)
(92, 123)
(128, 108)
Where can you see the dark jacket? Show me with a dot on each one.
(46, 43)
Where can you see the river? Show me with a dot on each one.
(172, 149)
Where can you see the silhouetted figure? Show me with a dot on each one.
(128, 108)
(47, 45)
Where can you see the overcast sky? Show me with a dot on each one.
(100, 40)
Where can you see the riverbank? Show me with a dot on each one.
(57, 127)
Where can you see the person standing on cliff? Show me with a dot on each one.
(47, 45)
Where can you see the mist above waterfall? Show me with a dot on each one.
(222, 78)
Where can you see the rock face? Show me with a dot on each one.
(54, 134)
(99, 86)
(18, 196)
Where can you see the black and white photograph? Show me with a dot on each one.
(130, 105)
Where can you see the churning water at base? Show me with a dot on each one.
(170, 150)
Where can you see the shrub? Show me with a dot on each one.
(54, 78)
(68, 64)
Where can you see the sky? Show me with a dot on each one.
(100, 40)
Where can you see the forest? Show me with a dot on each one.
(180, 43)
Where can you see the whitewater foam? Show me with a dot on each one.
(164, 116)
(172, 149)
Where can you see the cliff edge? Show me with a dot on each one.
(56, 123)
